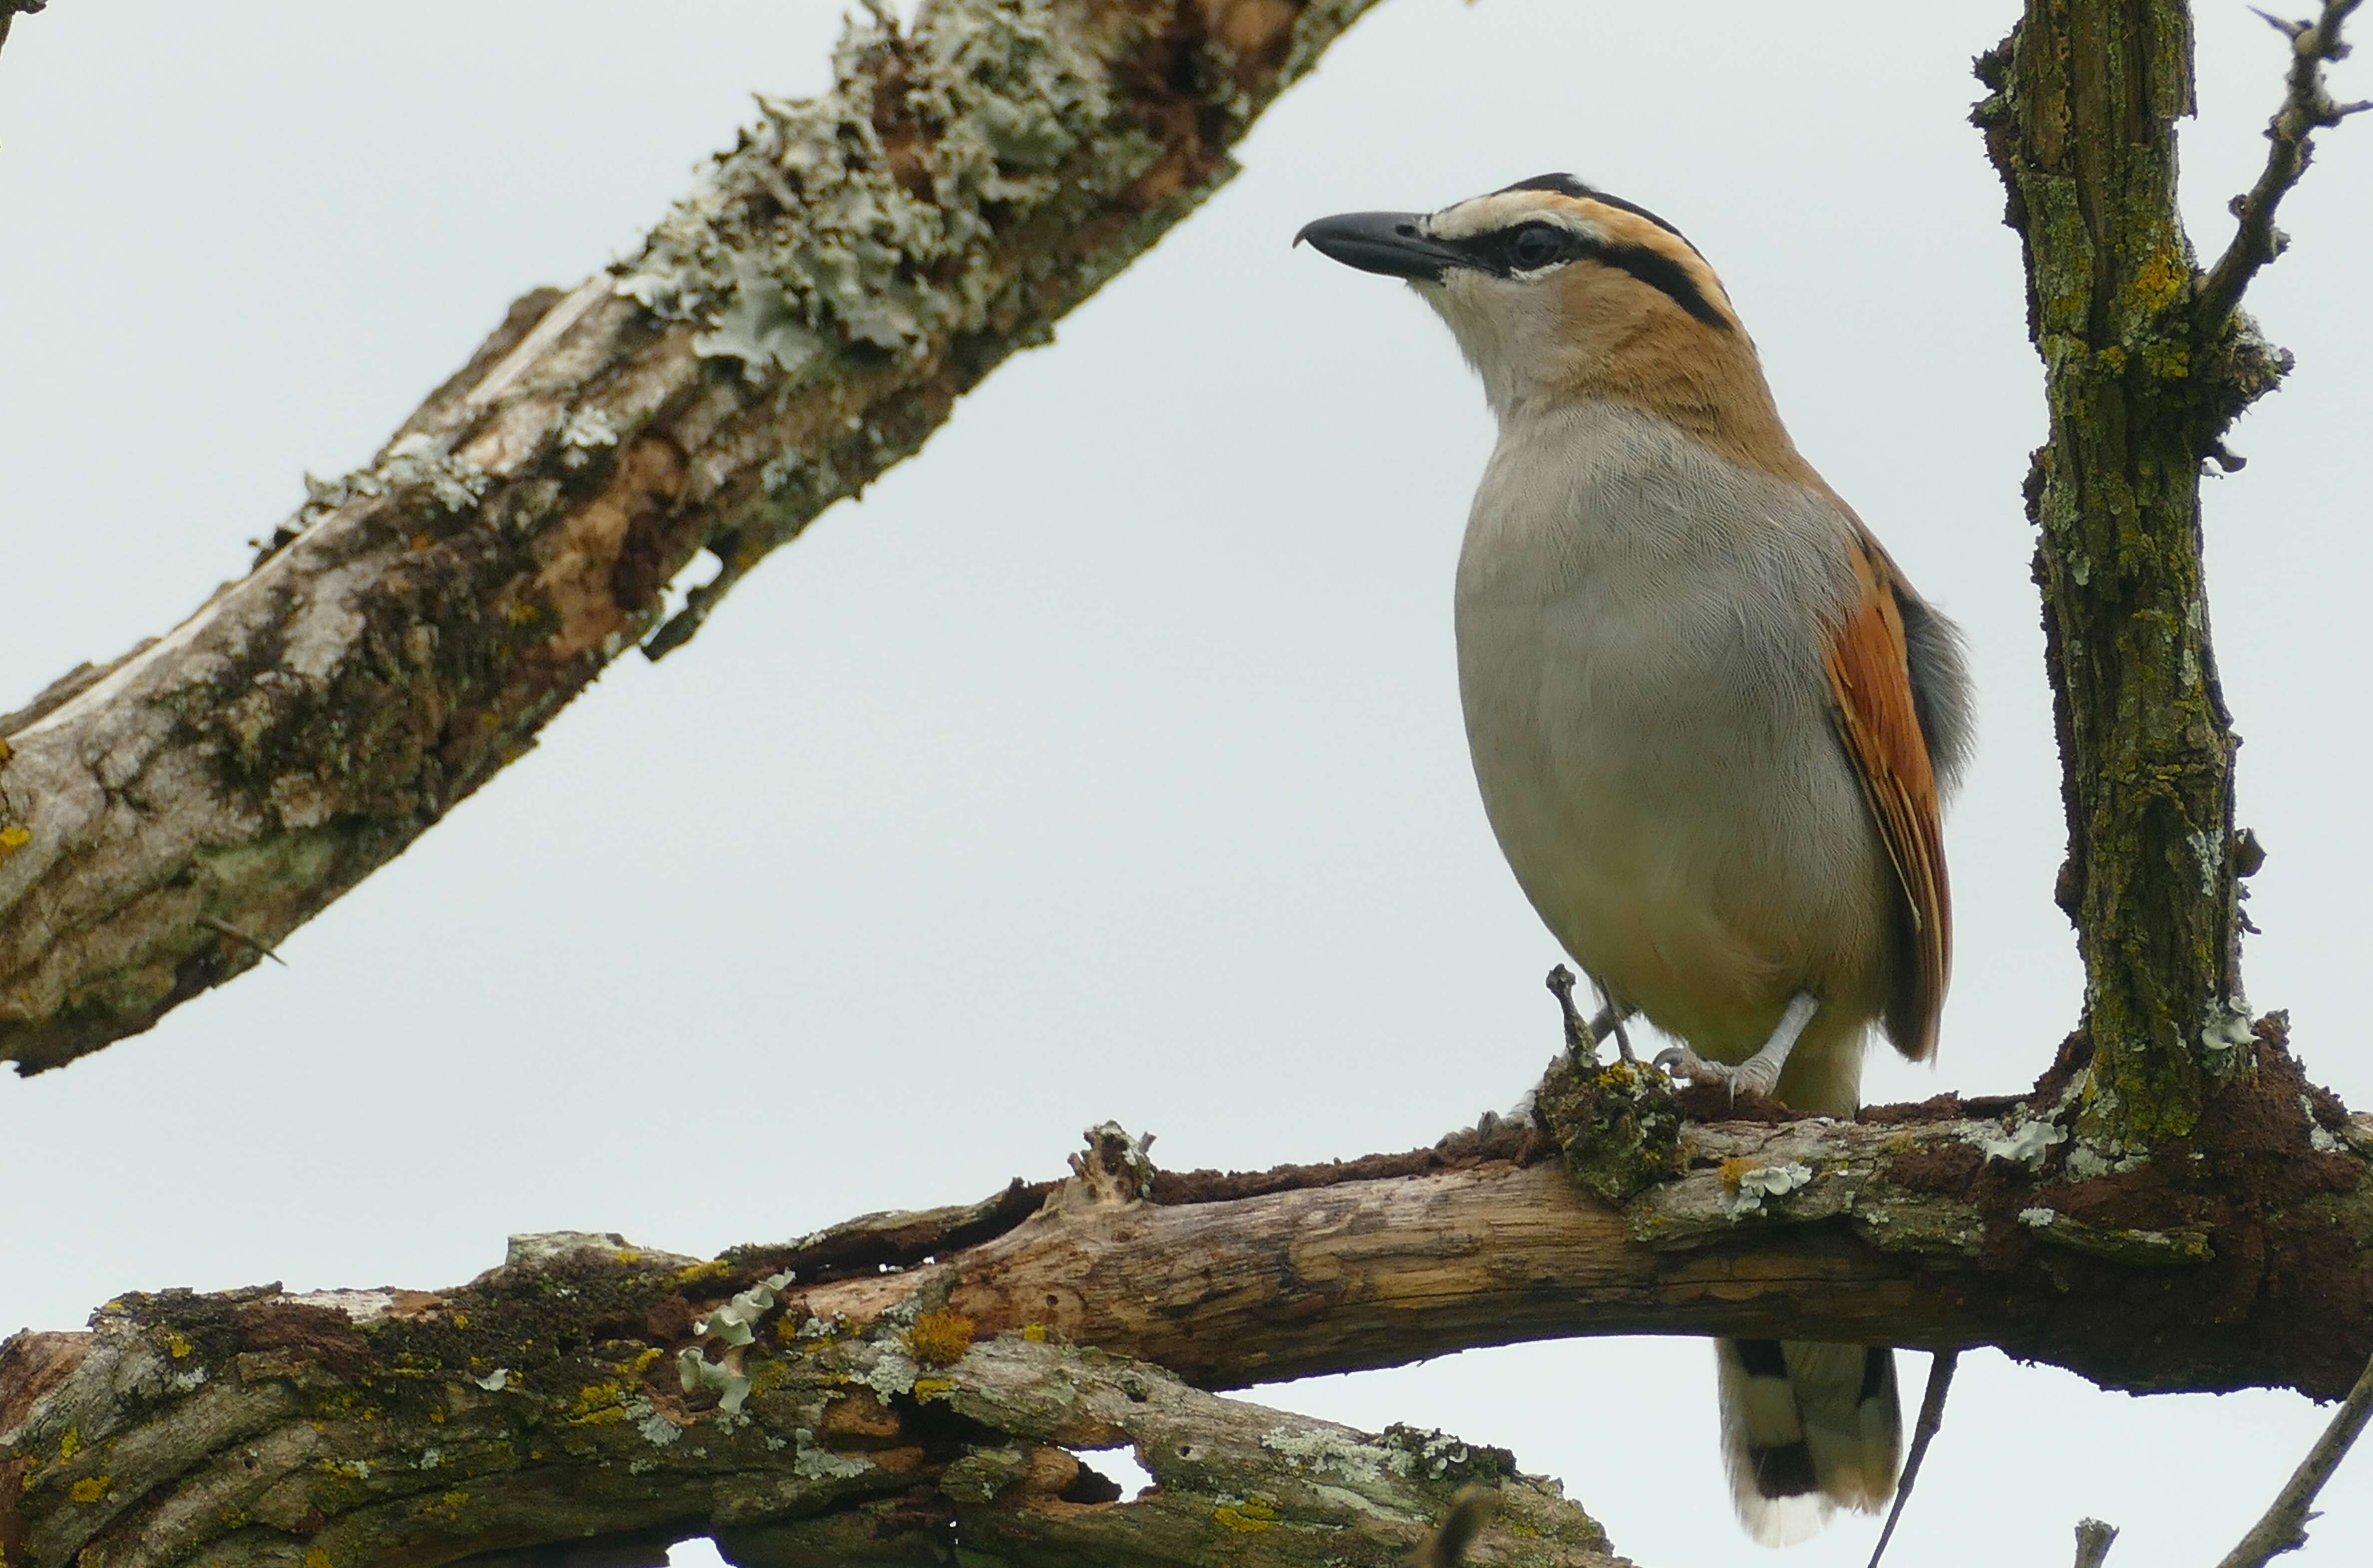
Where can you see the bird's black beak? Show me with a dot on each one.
(1393, 243)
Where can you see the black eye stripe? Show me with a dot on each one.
(1497, 252)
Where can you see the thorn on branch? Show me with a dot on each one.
(2307, 107)
(223, 928)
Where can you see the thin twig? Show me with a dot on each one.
(2306, 108)
(1923, 1431)
(2284, 1528)
(2093, 1539)
(216, 923)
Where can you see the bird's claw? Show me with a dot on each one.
(1752, 1075)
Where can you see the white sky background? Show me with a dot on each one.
(1105, 760)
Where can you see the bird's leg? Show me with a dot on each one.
(1759, 1072)
(1582, 1038)
(1609, 1020)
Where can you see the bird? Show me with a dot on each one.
(1713, 723)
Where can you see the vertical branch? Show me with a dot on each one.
(2081, 124)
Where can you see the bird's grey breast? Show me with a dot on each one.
(1640, 631)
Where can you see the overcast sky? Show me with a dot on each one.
(1105, 760)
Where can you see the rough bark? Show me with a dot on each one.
(856, 1394)
(803, 320)
(2141, 383)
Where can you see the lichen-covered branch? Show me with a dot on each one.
(841, 1397)
(806, 317)
(264, 1430)
(2147, 364)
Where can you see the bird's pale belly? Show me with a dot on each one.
(1700, 862)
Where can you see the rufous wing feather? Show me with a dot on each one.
(1871, 678)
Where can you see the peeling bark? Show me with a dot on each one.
(862, 1393)
(803, 320)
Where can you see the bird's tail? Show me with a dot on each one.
(1806, 1428)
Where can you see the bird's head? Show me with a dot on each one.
(1557, 291)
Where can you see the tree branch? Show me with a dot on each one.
(803, 320)
(415, 1427)
(2306, 108)
(2284, 1528)
(2140, 389)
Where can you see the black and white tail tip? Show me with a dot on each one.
(1807, 1429)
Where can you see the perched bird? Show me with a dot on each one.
(1711, 720)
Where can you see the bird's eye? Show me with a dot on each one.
(1536, 245)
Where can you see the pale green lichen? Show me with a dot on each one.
(418, 462)
(2025, 1144)
(588, 428)
(1745, 1195)
(802, 236)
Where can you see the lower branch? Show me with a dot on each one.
(895, 1443)
(916, 1372)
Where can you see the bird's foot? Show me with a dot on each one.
(1759, 1074)
(1520, 1114)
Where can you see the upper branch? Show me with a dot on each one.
(803, 320)
(2306, 108)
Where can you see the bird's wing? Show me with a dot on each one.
(1870, 677)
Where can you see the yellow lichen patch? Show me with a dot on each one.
(1733, 1171)
(642, 1363)
(2160, 281)
(13, 839)
(626, 1255)
(461, 1320)
(455, 1500)
(930, 1389)
(90, 1489)
(317, 1558)
(597, 1404)
(1035, 1332)
(1249, 1517)
(939, 1339)
(713, 1269)
(176, 1346)
(71, 1444)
